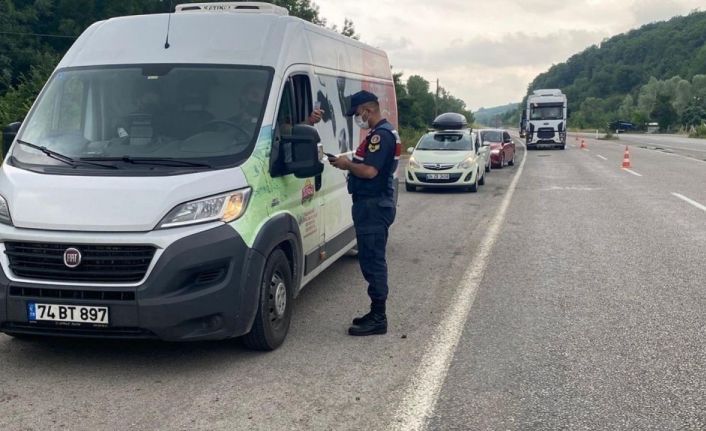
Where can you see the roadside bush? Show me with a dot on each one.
(698, 132)
(410, 137)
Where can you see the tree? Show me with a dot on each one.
(664, 112)
(694, 115)
(349, 29)
(626, 108)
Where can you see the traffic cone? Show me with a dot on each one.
(626, 158)
(583, 144)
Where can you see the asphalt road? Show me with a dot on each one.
(585, 300)
(671, 144)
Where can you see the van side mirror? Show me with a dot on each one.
(8, 135)
(298, 153)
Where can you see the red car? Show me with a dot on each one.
(502, 147)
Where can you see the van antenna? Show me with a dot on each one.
(169, 23)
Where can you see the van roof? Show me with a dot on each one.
(206, 37)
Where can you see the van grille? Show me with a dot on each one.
(98, 295)
(99, 263)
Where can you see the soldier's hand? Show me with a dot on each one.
(339, 162)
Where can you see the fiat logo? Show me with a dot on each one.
(72, 257)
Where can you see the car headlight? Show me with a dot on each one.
(414, 163)
(468, 163)
(5, 212)
(226, 207)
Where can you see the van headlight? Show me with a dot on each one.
(226, 207)
(5, 212)
(467, 163)
(414, 163)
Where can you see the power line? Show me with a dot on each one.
(38, 34)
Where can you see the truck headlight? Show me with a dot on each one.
(468, 163)
(226, 207)
(5, 212)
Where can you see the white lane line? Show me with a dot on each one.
(601, 157)
(690, 201)
(632, 172)
(424, 387)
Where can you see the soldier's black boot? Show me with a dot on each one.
(375, 306)
(372, 323)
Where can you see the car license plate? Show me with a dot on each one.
(437, 176)
(67, 313)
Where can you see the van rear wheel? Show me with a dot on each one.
(274, 312)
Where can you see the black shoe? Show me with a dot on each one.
(376, 324)
(363, 319)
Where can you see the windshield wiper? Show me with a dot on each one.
(61, 157)
(150, 161)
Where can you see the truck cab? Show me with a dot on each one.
(546, 119)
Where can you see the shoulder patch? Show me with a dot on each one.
(375, 139)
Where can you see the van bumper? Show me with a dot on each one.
(204, 287)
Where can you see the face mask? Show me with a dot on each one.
(363, 124)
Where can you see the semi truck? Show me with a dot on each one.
(546, 119)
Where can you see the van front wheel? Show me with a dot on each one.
(274, 311)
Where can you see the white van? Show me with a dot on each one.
(164, 184)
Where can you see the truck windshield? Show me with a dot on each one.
(199, 116)
(555, 112)
(446, 142)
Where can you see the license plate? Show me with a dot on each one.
(437, 176)
(67, 314)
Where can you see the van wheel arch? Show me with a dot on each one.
(282, 231)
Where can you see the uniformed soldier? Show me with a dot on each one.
(371, 183)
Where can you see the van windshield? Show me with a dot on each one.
(183, 116)
(446, 142)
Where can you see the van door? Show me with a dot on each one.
(336, 132)
(301, 197)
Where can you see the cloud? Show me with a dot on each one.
(517, 49)
(488, 52)
(646, 11)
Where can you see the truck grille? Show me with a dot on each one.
(99, 263)
(545, 133)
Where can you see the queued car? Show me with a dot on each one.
(501, 145)
(449, 156)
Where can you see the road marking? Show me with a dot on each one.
(601, 157)
(632, 172)
(423, 390)
(690, 201)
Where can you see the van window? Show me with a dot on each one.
(295, 105)
(209, 115)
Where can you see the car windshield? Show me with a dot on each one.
(491, 136)
(196, 114)
(552, 112)
(446, 142)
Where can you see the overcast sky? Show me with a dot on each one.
(487, 52)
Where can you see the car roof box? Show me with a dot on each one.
(450, 121)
